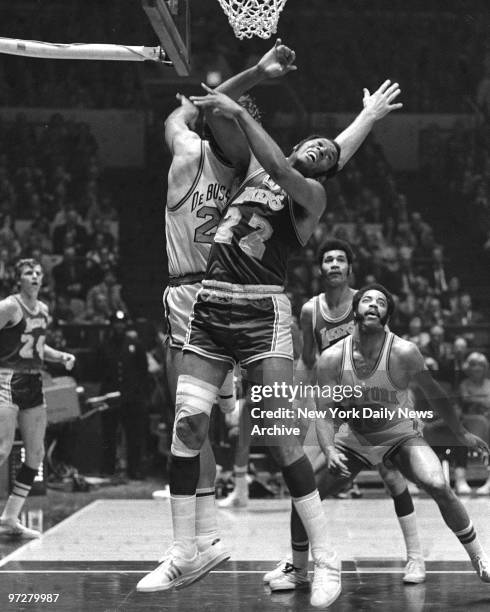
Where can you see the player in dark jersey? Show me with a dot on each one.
(200, 179)
(326, 319)
(242, 314)
(380, 419)
(23, 323)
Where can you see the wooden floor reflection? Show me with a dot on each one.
(94, 558)
(238, 587)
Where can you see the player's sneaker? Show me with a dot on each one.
(210, 558)
(161, 493)
(484, 489)
(414, 571)
(172, 572)
(278, 570)
(290, 579)
(15, 529)
(462, 488)
(326, 585)
(233, 500)
(482, 567)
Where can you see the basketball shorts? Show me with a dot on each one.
(21, 390)
(178, 301)
(378, 446)
(240, 323)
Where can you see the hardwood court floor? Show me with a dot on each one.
(94, 559)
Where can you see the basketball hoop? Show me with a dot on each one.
(253, 17)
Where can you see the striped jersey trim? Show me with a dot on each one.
(194, 183)
(228, 289)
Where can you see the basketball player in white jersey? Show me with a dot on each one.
(200, 180)
(326, 319)
(379, 366)
(23, 323)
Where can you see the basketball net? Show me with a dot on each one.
(253, 17)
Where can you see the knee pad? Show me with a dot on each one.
(193, 397)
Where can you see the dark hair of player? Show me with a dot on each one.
(335, 244)
(377, 287)
(335, 168)
(23, 263)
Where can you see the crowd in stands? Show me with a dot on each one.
(54, 206)
(438, 54)
(28, 82)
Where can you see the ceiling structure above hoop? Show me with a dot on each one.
(171, 22)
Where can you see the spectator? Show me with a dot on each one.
(439, 352)
(111, 289)
(68, 275)
(124, 367)
(71, 226)
(436, 272)
(98, 311)
(466, 315)
(415, 333)
(474, 394)
(450, 299)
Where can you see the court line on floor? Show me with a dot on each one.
(12, 556)
(360, 571)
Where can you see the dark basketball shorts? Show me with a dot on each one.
(370, 448)
(240, 323)
(377, 447)
(21, 390)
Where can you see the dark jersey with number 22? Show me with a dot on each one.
(255, 236)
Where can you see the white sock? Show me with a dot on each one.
(184, 523)
(16, 501)
(408, 525)
(314, 520)
(470, 541)
(206, 519)
(241, 484)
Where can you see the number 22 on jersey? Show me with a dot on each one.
(252, 244)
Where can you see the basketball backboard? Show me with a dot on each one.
(171, 21)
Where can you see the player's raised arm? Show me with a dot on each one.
(306, 192)
(438, 399)
(230, 139)
(376, 106)
(179, 126)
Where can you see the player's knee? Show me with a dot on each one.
(286, 455)
(394, 481)
(194, 401)
(436, 486)
(192, 434)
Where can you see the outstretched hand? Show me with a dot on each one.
(220, 103)
(337, 462)
(381, 102)
(278, 61)
(475, 443)
(187, 105)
